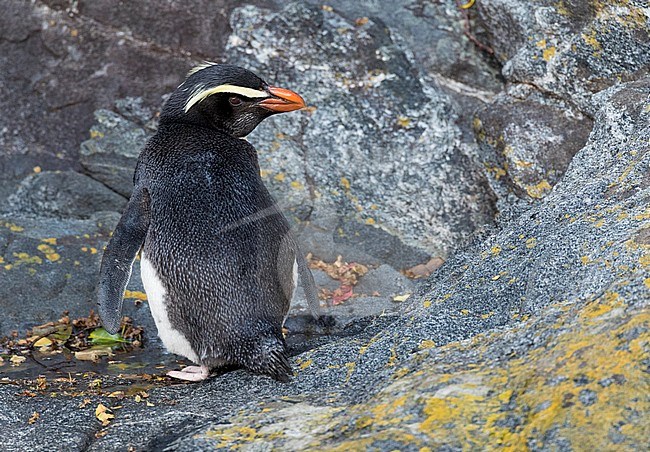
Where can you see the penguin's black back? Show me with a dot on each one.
(217, 242)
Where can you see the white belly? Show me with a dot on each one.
(173, 339)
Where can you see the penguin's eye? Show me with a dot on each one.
(235, 101)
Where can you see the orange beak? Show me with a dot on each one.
(283, 100)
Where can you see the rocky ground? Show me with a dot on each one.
(504, 149)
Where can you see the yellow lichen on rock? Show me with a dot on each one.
(135, 294)
(50, 254)
(25, 258)
(538, 190)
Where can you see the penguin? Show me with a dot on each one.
(218, 261)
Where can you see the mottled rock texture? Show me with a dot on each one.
(556, 56)
(380, 145)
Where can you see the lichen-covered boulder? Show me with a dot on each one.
(572, 48)
(527, 141)
(62, 194)
(556, 56)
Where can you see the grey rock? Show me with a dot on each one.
(111, 153)
(385, 280)
(382, 245)
(63, 194)
(327, 235)
(59, 66)
(51, 265)
(574, 49)
(588, 397)
(323, 280)
(527, 141)
(433, 33)
(368, 149)
(176, 26)
(373, 297)
(556, 58)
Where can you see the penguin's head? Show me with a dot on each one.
(228, 98)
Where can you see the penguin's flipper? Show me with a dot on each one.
(118, 258)
(308, 285)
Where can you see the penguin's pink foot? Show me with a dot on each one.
(191, 373)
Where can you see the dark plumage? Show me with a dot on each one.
(214, 244)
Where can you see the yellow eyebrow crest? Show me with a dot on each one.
(200, 67)
(233, 89)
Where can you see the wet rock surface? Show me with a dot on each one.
(535, 334)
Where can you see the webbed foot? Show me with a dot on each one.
(191, 373)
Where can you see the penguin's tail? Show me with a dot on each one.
(271, 359)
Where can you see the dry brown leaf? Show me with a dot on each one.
(424, 270)
(344, 272)
(17, 360)
(347, 274)
(41, 383)
(93, 354)
(103, 414)
(342, 294)
(34, 417)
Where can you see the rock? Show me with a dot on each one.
(176, 27)
(386, 281)
(62, 65)
(374, 296)
(327, 236)
(111, 153)
(528, 140)
(369, 150)
(439, 48)
(555, 59)
(63, 194)
(433, 33)
(575, 49)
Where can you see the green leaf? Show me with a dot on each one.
(102, 337)
(62, 334)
